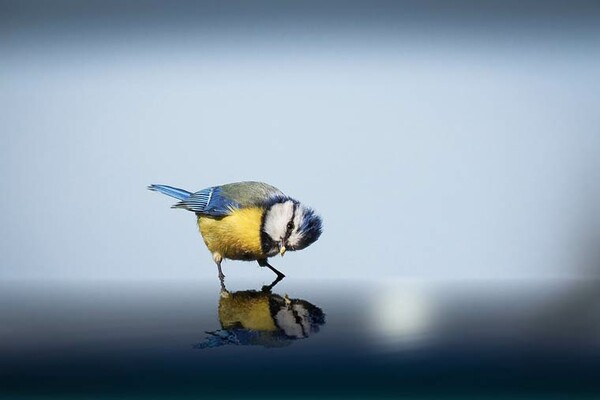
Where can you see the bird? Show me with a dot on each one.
(249, 221)
(252, 317)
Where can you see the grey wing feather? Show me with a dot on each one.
(250, 193)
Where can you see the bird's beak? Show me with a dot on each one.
(282, 250)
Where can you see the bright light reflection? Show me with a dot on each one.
(403, 314)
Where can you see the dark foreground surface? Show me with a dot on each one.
(302, 339)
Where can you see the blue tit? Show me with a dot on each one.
(251, 317)
(248, 221)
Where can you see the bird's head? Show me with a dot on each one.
(288, 225)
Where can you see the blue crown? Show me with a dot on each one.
(311, 228)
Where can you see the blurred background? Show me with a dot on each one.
(451, 148)
(436, 139)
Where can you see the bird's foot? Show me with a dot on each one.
(267, 288)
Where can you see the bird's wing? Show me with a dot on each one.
(248, 194)
(208, 201)
(218, 201)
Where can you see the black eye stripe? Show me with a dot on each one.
(290, 224)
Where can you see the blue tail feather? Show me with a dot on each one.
(170, 191)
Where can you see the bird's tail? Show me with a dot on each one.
(171, 191)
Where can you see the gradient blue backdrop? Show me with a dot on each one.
(437, 140)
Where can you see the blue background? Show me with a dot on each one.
(437, 140)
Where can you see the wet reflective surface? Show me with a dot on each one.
(251, 317)
(299, 338)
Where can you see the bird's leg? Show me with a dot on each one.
(222, 280)
(264, 263)
(267, 288)
(221, 276)
(218, 259)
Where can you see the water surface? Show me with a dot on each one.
(300, 338)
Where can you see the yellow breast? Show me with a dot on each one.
(235, 236)
(250, 310)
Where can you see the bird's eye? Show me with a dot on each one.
(290, 226)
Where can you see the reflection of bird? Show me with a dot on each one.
(248, 221)
(251, 317)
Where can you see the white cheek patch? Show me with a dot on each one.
(296, 235)
(294, 321)
(304, 315)
(277, 219)
(286, 320)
